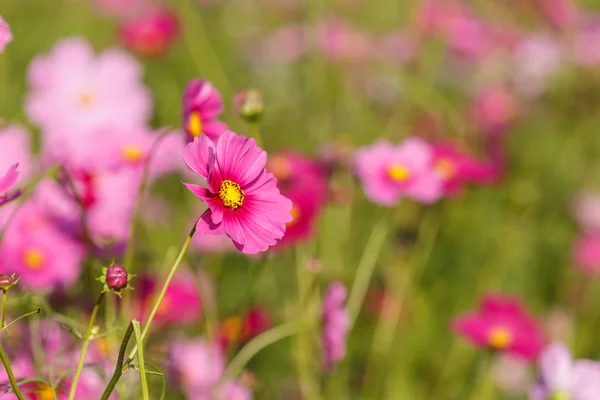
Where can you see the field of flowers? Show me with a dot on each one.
(300, 199)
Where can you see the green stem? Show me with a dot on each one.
(11, 377)
(161, 295)
(253, 347)
(119, 367)
(142, 365)
(3, 318)
(365, 269)
(84, 347)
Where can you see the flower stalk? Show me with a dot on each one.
(11, 376)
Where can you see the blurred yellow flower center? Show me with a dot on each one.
(86, 99)
(398, 173)
(445, 167)
(103, 347)
(232, 194)
(195, 124)
(232, 328)
(280, 167)
(33, 258)
(295, 212)
(500, 338)
(132, 154)
(43, 392)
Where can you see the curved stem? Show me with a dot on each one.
(161, 295)
(263, 340)
(3, 318)
(11, 377)
(86, 343)
(365, 269)
(119, 367)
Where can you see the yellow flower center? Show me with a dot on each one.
(132, 154)
(33, 258)
(232, 194)
(295, 212)
(560, 395)
(500, 338)
(445, 167)
(232, 328)
(398, 173)
(43, 392)
(86, 99)
(195, 124)
(103, 347)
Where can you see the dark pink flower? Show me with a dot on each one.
(151, 33)
(303, 181)
(243, 199)
(502, 324)
(116, 277)
(202, 104)
(336, 324)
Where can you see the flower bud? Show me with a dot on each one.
(249, 105)
(6, 281)
(116, 277)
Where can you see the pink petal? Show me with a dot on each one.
(196, 155)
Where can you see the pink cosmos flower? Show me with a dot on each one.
(73, 90)
(243, 199)
(15, 148)
(199, 365)
(5, 34)
(151, 33)
(389, 172)
(501, 323)
(561, 377)
(35, 250)
(336, 324)
(341, 42)
(457, 168)
(536, 59)
(202, 104)
(180, 305)
(303, 181)
(586, 253)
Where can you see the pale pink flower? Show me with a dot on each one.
(243, 199)
(202, 105)
(586, 209)
(8, 180)
(586, 51)
(536, 60)
(493, 109)
(15, 148)
(512, 374)
(287, 44)
(73, 90)
(5, 34)
(339, 41)
(336, 325)
(390, 171)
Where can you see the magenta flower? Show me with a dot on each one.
(502, 324)
(202, 104)
(336, 324)
(150, 34)
(586, 253)
(303, 181)
(389, 172)
(5, 34)
(34, 249)
(243, 199)
(561, 377)
(73, 90)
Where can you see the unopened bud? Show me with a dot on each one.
(116, 277)
(249, 104)
(6, 281)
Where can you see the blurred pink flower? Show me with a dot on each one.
(396, 47)
(493, 109)
(73, 90)
(586, 209)
(15, 148)
(586, 253)
(536, 59)
(336, 325)
(586, 51)
(561, 377)
(35, 250)
(512, 374)
(8, 180)
(287, 44)
(304, 182)
(341, 42)
(456, 168)
(243, 199)
(180, 305)
(199, 365)
(560, 13)
(502, 324)
(202, 104)
(389, 172)
(5, 34)
(121, 8)
(212, 244)
(151, 33)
